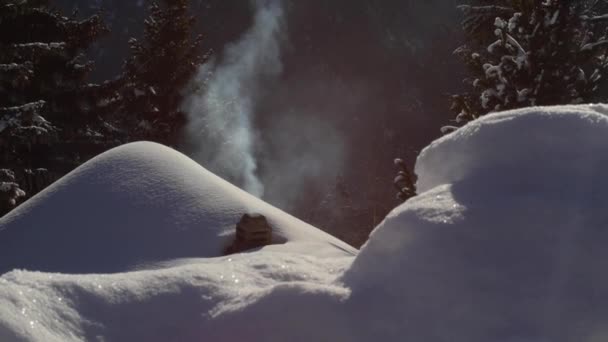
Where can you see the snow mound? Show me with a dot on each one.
(137, 205)
(508, 240)
(510, 148)
(262, 296)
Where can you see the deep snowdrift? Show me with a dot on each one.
(509, 239)
(138, 204)
(506, 243)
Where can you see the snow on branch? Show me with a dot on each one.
(29, 51)
(12, 67)
(41, 46)
(17, 74)
(593, 46)
(25, 118)
(10, 192)
(595, 19)
(515, 43)
(476, 16)
(493, 10)
(28, 107)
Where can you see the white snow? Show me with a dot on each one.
(42, 46)
(137, 204)
(505, 243)
(13, 117)
(564, 140)
(513, 24)
(591, 46)
(12, 67)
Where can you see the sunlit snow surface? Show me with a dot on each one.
(507, 242)
(138, 204)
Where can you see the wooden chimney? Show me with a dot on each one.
(252, 231)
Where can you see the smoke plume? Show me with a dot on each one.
(222, 99)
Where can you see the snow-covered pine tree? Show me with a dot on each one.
(10, 192)
(526, 52)
(47, 110)
(160, 66)
(404, 181)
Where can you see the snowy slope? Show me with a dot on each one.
(138, 204)
(507, 243)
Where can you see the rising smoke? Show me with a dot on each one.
(223, 97)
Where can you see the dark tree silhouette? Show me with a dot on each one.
(161, 65)
(47, 109)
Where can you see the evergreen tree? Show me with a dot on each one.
(161, 65)
(404, 181)
(50, 118)
(527, 52)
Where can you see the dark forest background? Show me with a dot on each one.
(377, 72)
